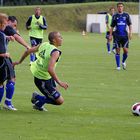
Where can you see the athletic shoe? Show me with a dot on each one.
(39, 108)
(124, 65)
(118, 68)
(33, 99)
(109, 52)
(9, 107)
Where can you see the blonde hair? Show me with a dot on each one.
(3, 18)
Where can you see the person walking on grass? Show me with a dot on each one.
(108, 20)
(36, 24)
(6, 69)
(7, 72)
(120, 21)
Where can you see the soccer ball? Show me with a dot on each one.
(136, 109)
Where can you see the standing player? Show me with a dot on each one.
(108, 20)
(6, 68)
(10, 31)
(36, 24)
(43, 70)
(120, 21)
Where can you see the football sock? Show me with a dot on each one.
(117, 57)
(50, 101)
(1, 92)
(10, 87)
(41, 100)
(124, 57)
(108, 47)
(32, 57)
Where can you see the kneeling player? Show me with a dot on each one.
(43, 70)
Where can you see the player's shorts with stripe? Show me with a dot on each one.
(107, 35)
(35, 41)
(6, 69)
(121, 41)
(47, 87)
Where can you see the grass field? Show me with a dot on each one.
(97, 104)
(68, 17)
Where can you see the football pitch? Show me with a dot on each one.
(97, 104)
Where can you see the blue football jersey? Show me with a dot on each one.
(120, 22)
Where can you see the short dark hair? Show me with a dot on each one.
(120, 3)
(51, 36)
(12, 18)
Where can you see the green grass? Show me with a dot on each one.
(97, 104)
(65, 17)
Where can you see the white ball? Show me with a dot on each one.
(136, 109)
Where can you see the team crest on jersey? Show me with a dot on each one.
(124, 18)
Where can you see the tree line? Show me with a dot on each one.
(39, 2)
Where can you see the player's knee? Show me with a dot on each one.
(60, 100)
(13, 79)
(125, 50)
(1, 85)
(117, 50)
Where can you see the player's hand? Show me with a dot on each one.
(28, 47)
(63, 84)
(10, 38)
(15, 63)
(7, 55)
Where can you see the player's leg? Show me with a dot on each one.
(10, 85)
(2, 77)
(51, 95)
(48, 88)
(117, 55)
(59, 100)
(39, 100)
(10, 89)
(125, 52)
(1, 92)
(114, 48)
(33, 43)
(108, 42)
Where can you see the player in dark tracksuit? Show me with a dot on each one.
(11, 30)
(6, 68)
(121, 37)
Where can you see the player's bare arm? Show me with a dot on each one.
(51, 69)
(26, 53)
(5, 55)
(20, 40)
